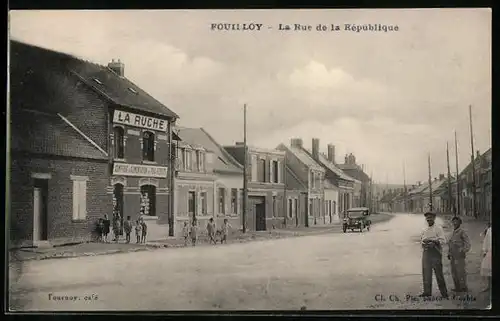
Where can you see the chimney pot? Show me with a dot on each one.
(315, 148)
(118, 67)
(296, 142)
(331, 153)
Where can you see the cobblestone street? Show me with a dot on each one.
(331, 271)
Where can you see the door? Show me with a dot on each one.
(260, 217)
(40, 228)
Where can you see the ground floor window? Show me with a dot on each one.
(290, 207)
(118, 199)
(295, 206)
(148, 200)
(191, 203)
(203, 199)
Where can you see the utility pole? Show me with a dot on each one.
(245, 165)
(404, 184)
(171, 170)
(430, 184)
(371, 191)
(450, 195)
(472, 165)
(285, 201)
(458, 174)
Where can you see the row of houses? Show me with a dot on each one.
(416, 198)
(85, 141)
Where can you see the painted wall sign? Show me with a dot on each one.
(139, 170)
(126, 118)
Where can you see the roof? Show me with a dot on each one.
(354, 171)
(293, 182)
(327, 184)
(332, 167)
(483, 160)
(46, 72)
(43, 133)
(223, 161)
(303, 157)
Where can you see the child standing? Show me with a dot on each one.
(127, 226)
(194, 232)
(185, 233)
(211, 231)
(225, 231)
(144, 227)
(138, 231)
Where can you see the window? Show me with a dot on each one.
(119, 142)
(79, 197)
(189, 160)
(203, 199)
(275, 209)
(234, 201)
(262, 170)
(290, 207)
(326, 207)
(148, 146)
(200, 161)
(222, 194)
(254, 166)
(182, 159)
(295, 206)
(275, 172)
(191, 203)
(148, 200)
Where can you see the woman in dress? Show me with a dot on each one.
(486, 263)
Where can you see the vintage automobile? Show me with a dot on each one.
(356, 218)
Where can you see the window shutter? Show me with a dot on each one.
(270, 171)
(198, 203)
(227, 201)
(76, 206)
(279, 172)
(83, 199)
(254, 166)
(238, 201)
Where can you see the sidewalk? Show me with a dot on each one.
(94, 249)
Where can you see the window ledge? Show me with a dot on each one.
(79, 220)
(149, 218)
(149, 162)
(119, 159)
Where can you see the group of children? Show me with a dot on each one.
(103, 229)
(191, 232)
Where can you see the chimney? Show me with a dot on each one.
(315, 148)
(441, 177)
(118, 67)
(331, 153)
(296, 142)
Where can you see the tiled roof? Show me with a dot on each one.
(354, 171)
(46, 71)
(48, 134)
(304, 157)
(332, 167)
(223, 161)
(293, 182)
(327, 184)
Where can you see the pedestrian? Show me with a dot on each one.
(106, 226)
(99, 229)
(211, 230)
(194, 232)
(486, 263)
(432, 240)
(458, 246)
(127, 227)
(225, 231)
(144, 229)
(185, 232)
(138, 231)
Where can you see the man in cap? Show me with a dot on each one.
(459, 245)
(433, 240)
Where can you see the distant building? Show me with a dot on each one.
(351, 168)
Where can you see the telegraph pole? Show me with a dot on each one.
(472, 165)
(285, 201)
(430, 183)
(245, 165)
(171, 173)
(450, 195)
(404, 184)
(458, 180)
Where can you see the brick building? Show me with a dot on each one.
(310, 174)
(85, 142)
(354, 170)
(266, 186)
(209, 180)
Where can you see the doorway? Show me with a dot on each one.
(40, 216)
(260, 217)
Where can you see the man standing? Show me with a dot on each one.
(459, 245)
(432, 240)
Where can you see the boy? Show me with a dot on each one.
(211, 230)
(185, 233)
(194, 233)
(225, 231)
(127, 226)
(144, 230)
(138, 231)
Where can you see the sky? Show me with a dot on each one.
(390, 98)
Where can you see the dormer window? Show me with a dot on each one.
(132, 90)
(98, 81)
